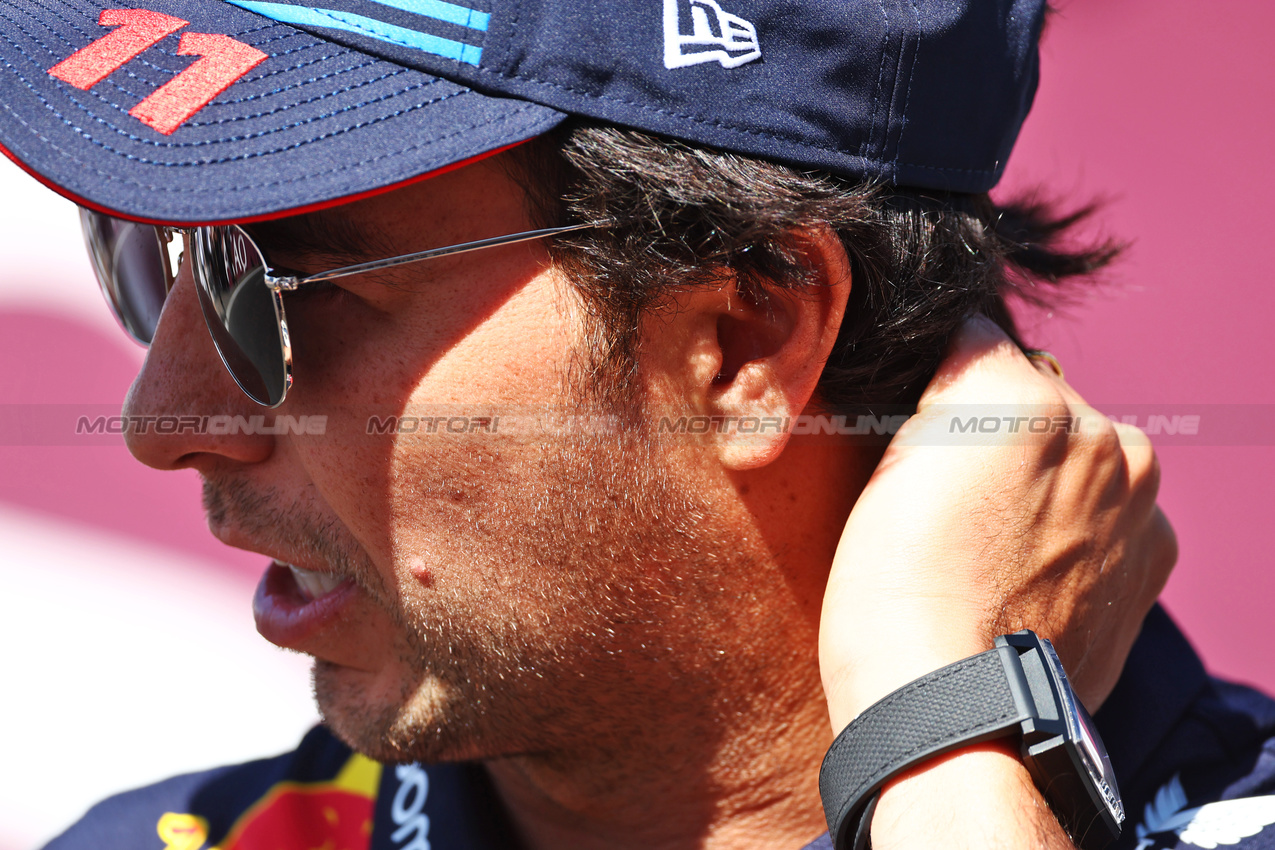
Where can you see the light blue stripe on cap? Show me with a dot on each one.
(449, 12)
(308, 16)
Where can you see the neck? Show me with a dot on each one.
(733, 776)
(720, 745)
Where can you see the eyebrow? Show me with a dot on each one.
(326, 235)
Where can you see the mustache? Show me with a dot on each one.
(286, 525)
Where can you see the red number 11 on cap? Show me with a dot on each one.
(223, 60)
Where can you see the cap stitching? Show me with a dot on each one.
(513, 27)
(98, 32)
(278, 89)
(603, 97)
(316, 99)
(194, 145)
(85, 31)
(899, 60)
(40, 41)
(52, 31)
(231, 120)
(368, 60)
(907, 94)
(257, 185)
(142, 60)
(88, 111)
(262, 134)
(866, 143)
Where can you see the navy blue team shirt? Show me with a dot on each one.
(1194, 757)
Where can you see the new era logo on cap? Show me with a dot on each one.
(362, 95)
(698, 31)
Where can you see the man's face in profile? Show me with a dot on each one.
(465, 593)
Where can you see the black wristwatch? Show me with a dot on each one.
(1018, 688)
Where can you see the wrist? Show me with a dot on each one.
(852, 684)
(1018, 691)
(978, 797)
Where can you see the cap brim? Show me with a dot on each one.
(310, 125)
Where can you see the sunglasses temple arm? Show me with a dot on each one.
(290, 283)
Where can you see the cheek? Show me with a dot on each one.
(477, 440)
(434, 419)
(502, 336)
(515, 354)
(355, 361)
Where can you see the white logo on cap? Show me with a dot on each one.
(715, 36)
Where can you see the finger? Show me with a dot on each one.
(1136, 445)
(1164, 555)
(1141, 461)
(983, 365)
(1082, 412)
(1140, 457)
(1056, 378)
(1132, 437)
(1144, 467)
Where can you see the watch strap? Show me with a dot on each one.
(964, 703)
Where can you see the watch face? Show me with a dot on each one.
(1081, 730)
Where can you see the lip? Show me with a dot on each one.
(285, 617)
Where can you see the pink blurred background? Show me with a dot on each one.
(1162, 106)
(1167, 108)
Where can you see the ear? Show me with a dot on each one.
(752, 365)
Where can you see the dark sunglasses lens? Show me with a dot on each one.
(241, 311)
(131, 268)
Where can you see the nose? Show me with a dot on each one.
(183, 398)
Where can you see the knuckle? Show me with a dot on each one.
(1130, 435)
(1144, 470)
(1103, 434)
(1044, 399)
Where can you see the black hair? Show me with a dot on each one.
(673, 215)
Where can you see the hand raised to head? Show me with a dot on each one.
(961, 535)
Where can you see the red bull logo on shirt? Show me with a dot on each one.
(335, 815)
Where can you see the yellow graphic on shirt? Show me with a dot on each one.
(335, 814)
(182, 832)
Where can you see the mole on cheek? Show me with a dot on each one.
(420, 572)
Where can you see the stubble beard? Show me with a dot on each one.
(608, 562)
(605, 565)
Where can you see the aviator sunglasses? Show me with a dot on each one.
(240, 294)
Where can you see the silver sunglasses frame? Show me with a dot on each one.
(279, 284)
(198, 244)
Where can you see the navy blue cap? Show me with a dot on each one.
(200, 111)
